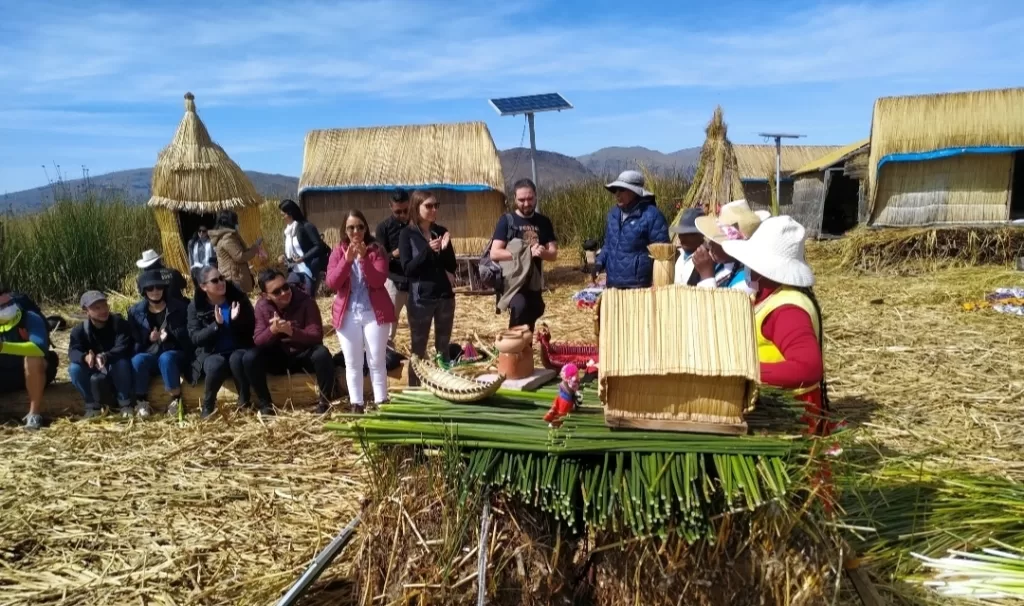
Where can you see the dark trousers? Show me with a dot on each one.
(95, 386)
(218, 367)
(526, 307)
(275, 360)
(440, 312)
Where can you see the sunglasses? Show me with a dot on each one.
(153, 288)
(277, 292)
(402, 212)
(432, 205)
(216, 280)
(359, 227)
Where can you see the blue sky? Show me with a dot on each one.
(100, 84)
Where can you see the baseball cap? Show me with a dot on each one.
(92, 297)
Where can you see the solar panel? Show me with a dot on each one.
(510, 106)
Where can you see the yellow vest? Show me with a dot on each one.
(767, 352)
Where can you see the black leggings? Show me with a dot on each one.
(218, 366)
(276, 361)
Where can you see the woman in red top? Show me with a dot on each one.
(787, 316)
(362, 312)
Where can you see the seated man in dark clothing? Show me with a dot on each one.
(153, 261)
(100, 353)
(26, 361)
(290, 338)
(159, 327)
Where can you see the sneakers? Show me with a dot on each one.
(267, 411)
(33, 422)
(208, 410)
(323, 408)
(143, 409)
(358, 409)
(176, 409)
(93, 413)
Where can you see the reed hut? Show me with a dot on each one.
(717, 179)
(193, 180)
(756, 164)
(678, 359)
(947, 159)
(826, 196)
(359, 168)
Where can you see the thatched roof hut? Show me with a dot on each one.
(757, 171)
(359, 168)
(193, 180)
(717, 180)
(678, 358)
(947, 159)
(825, 198)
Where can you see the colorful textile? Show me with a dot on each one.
(1003, 300)
(587, 298)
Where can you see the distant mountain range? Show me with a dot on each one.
(553, 170)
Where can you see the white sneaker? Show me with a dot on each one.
(143, 409)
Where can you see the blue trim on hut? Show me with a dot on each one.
(947, 152)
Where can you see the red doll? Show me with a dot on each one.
(568, 398)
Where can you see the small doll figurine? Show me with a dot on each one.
(568, 398)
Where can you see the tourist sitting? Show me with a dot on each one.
(100, 353)
(221, 322)
(428, 260)
(688, 240)
(714, 267)
(26, 360)
(290, 338)
(233, 255)
(786, 314)
(305, 253)
(632, 224)
(362, 311)
(159, 326)
(200, 252)
(176, 284)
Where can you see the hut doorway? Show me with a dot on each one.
(188, 224)
(1017, 187)
(839, 211)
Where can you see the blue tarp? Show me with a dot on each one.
(946, 153)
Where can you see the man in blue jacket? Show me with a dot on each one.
(633, 224)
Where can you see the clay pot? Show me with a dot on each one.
(514, 340)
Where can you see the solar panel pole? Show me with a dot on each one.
(778, 165)
(533, 150)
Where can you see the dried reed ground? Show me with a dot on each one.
(230, 512)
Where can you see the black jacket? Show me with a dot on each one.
(175, 322)
(315, 251)
(203, 327)
(171, 276)
(388, 234)
(426, 270)
(114, 340)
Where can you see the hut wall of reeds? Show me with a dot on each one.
(192, 181)
(757, 171)
(359, 168)
(678, 358)
(825, 198)
(946, 159)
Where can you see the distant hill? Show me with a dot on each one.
(553, 169)
(610, 161)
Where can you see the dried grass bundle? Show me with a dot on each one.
(717, 180)
(664, 255)
(909, 250)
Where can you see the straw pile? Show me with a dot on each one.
(717, 180)
(907, 250)
(228, 512)
(664, 255)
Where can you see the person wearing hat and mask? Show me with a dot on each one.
(714, 267)
(153, 261)
(632, 224)
(26, 360)
(787, 316)
(100, 353)
(159, 326)
(688, 239)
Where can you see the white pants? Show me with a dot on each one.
(359, 335)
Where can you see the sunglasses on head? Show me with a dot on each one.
(216, 280)
(359, 227)
(277, 292)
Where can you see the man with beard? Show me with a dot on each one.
(100, 353)
(387, 234)
(159, 327)
(522, 292)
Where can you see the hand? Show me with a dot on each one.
(536, 250)
(217, 315)
(350, 252)
(296, 259)
(235, 308)
(446, 239)
(101, 361)
(281, 259)
(435, 245)
(703, 263)
(394, 253)
(90, 360)
(360, 249)
(275, 325)
(285, 328)
(154, 335)
(163, 336)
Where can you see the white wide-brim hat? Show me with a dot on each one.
(735, 214)
(633, 180)
(148, 258)
(775, 251)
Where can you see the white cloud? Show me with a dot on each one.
(432, 49)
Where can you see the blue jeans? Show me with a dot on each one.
(169, 366)
(94, 385)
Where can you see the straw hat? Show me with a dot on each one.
(735, 218)
(149, 257)
(775, 251)
(632, 180)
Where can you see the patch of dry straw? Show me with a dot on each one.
(215, 513)
(917, 250)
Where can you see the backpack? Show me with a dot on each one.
(488, 270)
(26, 304)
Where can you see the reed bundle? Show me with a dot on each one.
(664, 255)
(717, 180)
(586, 475)
(993, 574)
(897, 250)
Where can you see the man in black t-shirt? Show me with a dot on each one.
(387, 234)
(538, 235)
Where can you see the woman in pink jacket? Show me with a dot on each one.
(362, 312)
